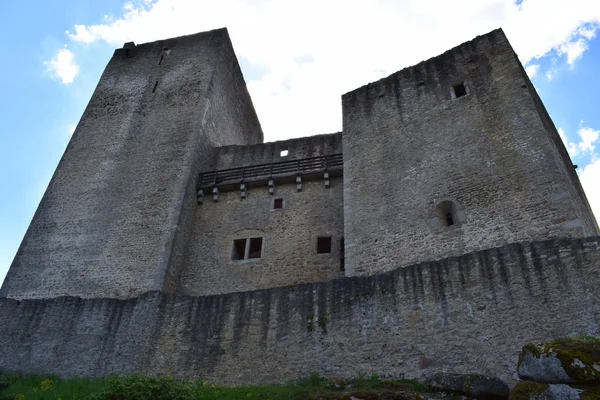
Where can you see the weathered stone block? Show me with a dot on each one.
(544, 391)
(472, 385)
(573, 360)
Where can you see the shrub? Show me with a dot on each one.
(6, 381)
(313, 381)
(139, 387)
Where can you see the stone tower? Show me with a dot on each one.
(111, 219)
(452, 155)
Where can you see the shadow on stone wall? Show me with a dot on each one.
(465, 314)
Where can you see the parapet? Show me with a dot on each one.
(282, 150)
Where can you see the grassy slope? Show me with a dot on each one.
(166, 388)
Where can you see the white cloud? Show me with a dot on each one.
(348, 42)
(588, 137)
(63, 66)
(532, 70)
(589, 177)
(82, 34)
(586, 144)
(588, 31)
(70, 129)
(574, 50)
(571, 147)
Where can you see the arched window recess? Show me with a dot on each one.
(447, 213)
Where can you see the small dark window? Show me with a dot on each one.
(324, 245)
(239, 249)
(255, 248)
(277, 204)
(460, 90)
(448, 213)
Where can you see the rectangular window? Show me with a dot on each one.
(460, 90)
(255, 250)
(244, 249)
(324, 245)
(284, 151)
(277, 204)
(239, 249)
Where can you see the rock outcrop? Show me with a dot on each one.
(565, 369)
(470, 385)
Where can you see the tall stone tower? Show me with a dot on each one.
(452, 155)
(110, 222)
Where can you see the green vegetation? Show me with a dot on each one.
(578, 355)
(167, 388)
(525, 390)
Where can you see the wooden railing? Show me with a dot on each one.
(272, 170)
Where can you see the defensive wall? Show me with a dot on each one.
(270, 152)
(464, 314)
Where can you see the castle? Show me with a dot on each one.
(447, 202)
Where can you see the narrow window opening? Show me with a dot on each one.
(255, 248)
(161, 60)
(324, 245)
(284, 152)
(239, 249)
(154, 88)
(277, 204)
(460, 90)
(448, 213)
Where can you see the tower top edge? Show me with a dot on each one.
(495, 36)
(191, 37)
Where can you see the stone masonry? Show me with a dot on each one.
(410, 144)
(462, 314)
(442, 228)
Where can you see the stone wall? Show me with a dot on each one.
(411, 145)
(570, 175)
(228, 119)
(265, 153)
(107, 224)
(466, 314)
(289, 254)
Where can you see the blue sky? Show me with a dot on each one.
(297, 57)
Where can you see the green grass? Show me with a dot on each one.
(167, 388)
(37, 388)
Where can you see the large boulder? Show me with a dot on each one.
(471, 385)
(572, 360)
(544, 391)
